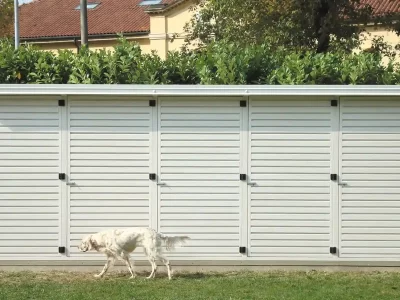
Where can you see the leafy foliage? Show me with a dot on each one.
(6, 17)
(294, 24)
(219, 63)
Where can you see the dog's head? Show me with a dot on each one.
(86, 244)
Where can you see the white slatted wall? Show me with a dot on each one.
(370, 166)
(290, 162)
(199, 143)
(29, 185)
(110, 164)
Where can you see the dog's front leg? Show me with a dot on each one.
(105, 268)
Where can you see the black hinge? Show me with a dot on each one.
(332, 250)
(152, 176)
(61, 102)
(61, 250)
(61, 176)
(152, 102)
(334, 103)
(334, 177)
(243, 177)
(243, 103)
(242, 250)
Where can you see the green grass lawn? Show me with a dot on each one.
(238, 285)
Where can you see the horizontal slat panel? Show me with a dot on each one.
(290, 230)
(290, 223)
(120, 115)
(197, 177)
(200, 110)
(29, 250)
(291, 157)
(303, 197)
(29, 183)
(204, 216)
(97, 216)
(12, 210)
(289, 243)
(199, 223)
(266, 238)
(28, 237)
(30, 243)
(112, 176)
(288, 170)
(142, 168)
(375, 252)
(109, 143)
(391, 202)
(319, 211)
(200, 211)
(29, 229)
(200, 160)
(194, 203)
(199, 190)
(110, 140)
(292, 216)
(99, 211)
(279, 251)
(38, 223)
(28, 216)
(30, 123)
(289, 189)
(197, 116)
(108, 223)
(84, 137)
(143, 182)
(285, 104)
(288, 203)
(26, 189)
(191, 102)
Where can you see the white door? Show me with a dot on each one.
(370, 177)
(110, 162)
(30, 194)
(199, 174)
(291, 157)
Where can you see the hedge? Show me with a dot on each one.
(219, 63)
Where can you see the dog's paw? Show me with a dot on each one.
(132, 277)
(98, 276)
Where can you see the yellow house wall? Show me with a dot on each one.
(375, 31)
(164, 26)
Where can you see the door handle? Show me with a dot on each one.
(251, 183)
(342, 183)
(71, 183)
(161, 183)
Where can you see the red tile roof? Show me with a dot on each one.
(384, 6)
(59, 18)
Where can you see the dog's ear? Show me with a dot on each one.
(91, 242)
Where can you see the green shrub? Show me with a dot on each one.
(219, 63)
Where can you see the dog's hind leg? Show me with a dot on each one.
(153, 268)
(165, 261)
(109, 262)
(128, 263)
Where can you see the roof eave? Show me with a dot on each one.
(77, 37)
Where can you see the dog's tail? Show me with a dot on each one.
(172, 241)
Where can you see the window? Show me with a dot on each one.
(150, 2)
(89, 6)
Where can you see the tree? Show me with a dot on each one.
(300, 24)
(6, 17)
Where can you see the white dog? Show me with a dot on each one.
(119, 243)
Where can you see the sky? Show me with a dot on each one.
(24, 1)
